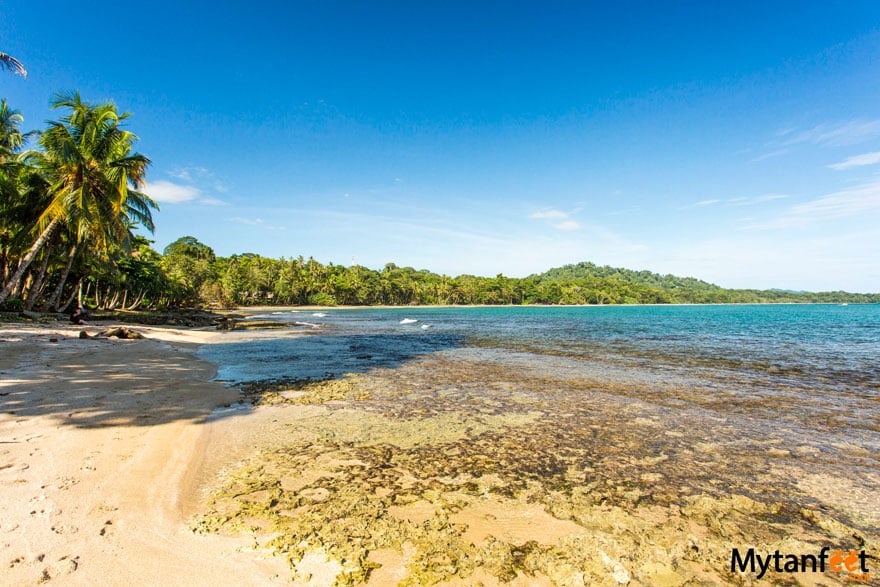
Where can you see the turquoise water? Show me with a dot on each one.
(824, 346)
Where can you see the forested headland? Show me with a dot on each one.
(71, 210)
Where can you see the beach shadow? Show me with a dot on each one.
(105, 383)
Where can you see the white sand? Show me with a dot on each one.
(101, 445)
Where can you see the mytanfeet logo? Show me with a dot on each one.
(851, 564)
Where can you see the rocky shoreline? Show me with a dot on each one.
(445, 473)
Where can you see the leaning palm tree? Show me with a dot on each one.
(92, 177)
(12, 64)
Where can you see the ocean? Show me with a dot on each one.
(648, 406)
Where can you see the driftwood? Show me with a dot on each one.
(118, 332)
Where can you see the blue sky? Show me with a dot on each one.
(737, 142)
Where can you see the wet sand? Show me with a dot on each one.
(445, 470)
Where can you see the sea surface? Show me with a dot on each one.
(639, 406)
(823, 348)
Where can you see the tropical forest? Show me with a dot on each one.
(73, 223)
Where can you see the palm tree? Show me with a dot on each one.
(11, 137)
(11, 141)
(93, 177)
(12, 64)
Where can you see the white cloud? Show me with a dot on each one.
(700, 204)
(188, 174)
(837, 135)
(564, 218)
(769, 197)
(171, 193)
(212, 202)
(856, 201)
(857, 161)
(549, 215)
(770, 155)
(738, 201)
(849, 202)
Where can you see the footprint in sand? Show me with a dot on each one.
(64, 566)
(107, 529)
(62, 529)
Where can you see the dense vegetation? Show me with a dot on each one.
(70, 207)
(69, 210)
(252, 279)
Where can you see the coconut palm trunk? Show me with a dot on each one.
(28, 258)
(37, 287)
(56, 295)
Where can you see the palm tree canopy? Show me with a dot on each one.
(11, 138)
(93, 174)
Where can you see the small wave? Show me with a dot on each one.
(259, 317)
(319, 315)
(408, 321)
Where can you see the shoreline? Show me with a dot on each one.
(310, 308)
(101, 444)
(120, 468)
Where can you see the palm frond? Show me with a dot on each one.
(12, 64)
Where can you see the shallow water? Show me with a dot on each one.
(578, 409)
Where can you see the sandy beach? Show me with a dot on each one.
(100, 445)
(122, 463)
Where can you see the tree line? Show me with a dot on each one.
(70, 209)
(251, 279)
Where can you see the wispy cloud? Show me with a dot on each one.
(856, 201)
(190, 174)
(549, 215)
(255, 222)
(247, 221)
(737, 201)
(168, 192)
(770, 155)
(700, 204)
(557, 218)
(836, 135)
(849, 202)
(857, 161)
(828, 134)
(209, 201)
(171, 193)
(189, 186)
(769, 198)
